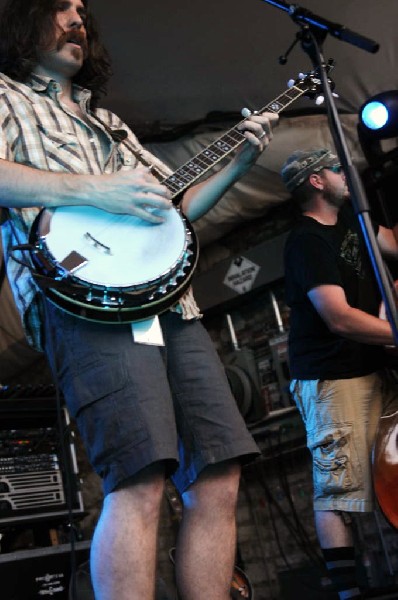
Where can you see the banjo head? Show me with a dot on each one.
(113, 251)
(112, 268)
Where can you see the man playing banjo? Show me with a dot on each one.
(149, 403)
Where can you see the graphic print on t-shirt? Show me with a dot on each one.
(350, 252)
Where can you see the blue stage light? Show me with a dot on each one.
(374, 115)
(379, 115)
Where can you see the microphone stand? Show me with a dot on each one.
(313, 32)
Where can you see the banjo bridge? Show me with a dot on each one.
(97, 244)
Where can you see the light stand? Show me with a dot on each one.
(313, 32)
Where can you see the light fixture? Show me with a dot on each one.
(378, 135)
(374, 115)
(378, 121)
(379, 115)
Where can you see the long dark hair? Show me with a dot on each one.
(26, 25)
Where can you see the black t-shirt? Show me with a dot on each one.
(317, 254)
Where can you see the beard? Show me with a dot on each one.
(336, 195)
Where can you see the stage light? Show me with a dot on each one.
(378, 136)
(378, 122)
(379, 115)
(374, 115)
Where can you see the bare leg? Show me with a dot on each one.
(206, 544)
(123, 550)
(332, 531)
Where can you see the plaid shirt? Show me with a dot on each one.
(38, 132)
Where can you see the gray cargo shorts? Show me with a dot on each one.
(138, 404)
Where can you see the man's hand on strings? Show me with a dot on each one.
(258, 130)
(133, 192)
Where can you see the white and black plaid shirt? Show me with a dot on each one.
(38, 132)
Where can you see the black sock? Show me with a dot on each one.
(341, 567)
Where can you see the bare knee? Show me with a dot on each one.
(142, 494)
(215, 490)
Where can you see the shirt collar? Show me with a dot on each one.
(40, 83)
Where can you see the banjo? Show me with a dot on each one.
(117, 268)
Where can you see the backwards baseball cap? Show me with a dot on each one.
(302, 163)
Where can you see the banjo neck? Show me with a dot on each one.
(308, 84)
(201, 163)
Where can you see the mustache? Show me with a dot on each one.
(76, 36)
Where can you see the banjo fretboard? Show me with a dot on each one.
(197, 166)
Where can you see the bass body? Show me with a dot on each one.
(385, 467)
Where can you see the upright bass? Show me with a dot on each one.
(385, 450)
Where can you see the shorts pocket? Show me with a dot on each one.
(336, 467)
(109, 422)
(92, 383)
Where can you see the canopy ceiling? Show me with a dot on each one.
(176, 61)
(185, 68)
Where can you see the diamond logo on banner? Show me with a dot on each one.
(241, 275)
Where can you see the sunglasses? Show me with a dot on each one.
(335, 168)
